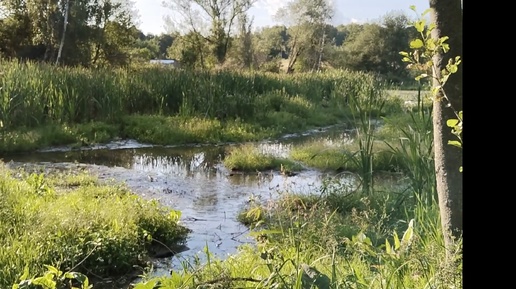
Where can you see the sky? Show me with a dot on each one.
(152, 12)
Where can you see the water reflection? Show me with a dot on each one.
(194, 181)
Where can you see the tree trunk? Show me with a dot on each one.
(67, 7)
(447, 16)
(321, 51)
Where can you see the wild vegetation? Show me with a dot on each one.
(70, 220)
(42, 105)
(76, 72)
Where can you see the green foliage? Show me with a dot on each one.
(94, 228)
(98, 32)
(413, 151)
(53, 278)
(163, 106)
(420, 59)
(340, 156)
(312, 242)
(456, 126)
(248, 158)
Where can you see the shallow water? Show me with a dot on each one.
(193, 180)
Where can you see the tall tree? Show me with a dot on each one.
(245, 41)
(113, 32)
(307, 27)
(447, 17)
(213, 19)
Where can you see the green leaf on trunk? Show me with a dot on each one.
(416, 43)
(455, 143)
(452, 122)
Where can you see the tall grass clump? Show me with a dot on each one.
(413, 150)
(36, 95)
(364, 99)
(73, 222)
(366, 108)
(66, 94)
(248, 158)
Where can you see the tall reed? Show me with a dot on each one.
(366, 105)
(35, 94)
(414, 152)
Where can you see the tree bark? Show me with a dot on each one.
(67, 7)
(447, 16)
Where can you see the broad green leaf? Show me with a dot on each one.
(420, 26)
(46, 282)
(86, 284)
(407, 236)
(25, 284)
(416, 43)
(54, 270)
(421, 76)
(25, 273)
(413, 7)
(397, 243)
(455, 143)
(445, 47)
(452, 122)
(406, 59)
(404, 53)
(388, 248)
(311, 276)
(426, 11)
(69, 275)
(77, 276)
(430, 45)
(146, 285)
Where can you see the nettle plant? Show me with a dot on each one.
(420, 59)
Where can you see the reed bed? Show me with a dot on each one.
(35, 94)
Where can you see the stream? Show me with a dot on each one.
(191, 179)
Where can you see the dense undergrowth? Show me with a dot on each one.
(340, 236)
(42, 105)
(72, 221)
(332, 239)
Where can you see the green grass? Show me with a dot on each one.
(71, 221)
(248, 158)
(356, 239)
(342, 156)
(43, 105)
(352, 240)
(374, 239)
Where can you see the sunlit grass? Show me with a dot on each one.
(248, 158)
(66, 219)
(342, 236)
(341, 157)
(38, 101)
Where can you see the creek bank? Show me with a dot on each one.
(190, 179)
